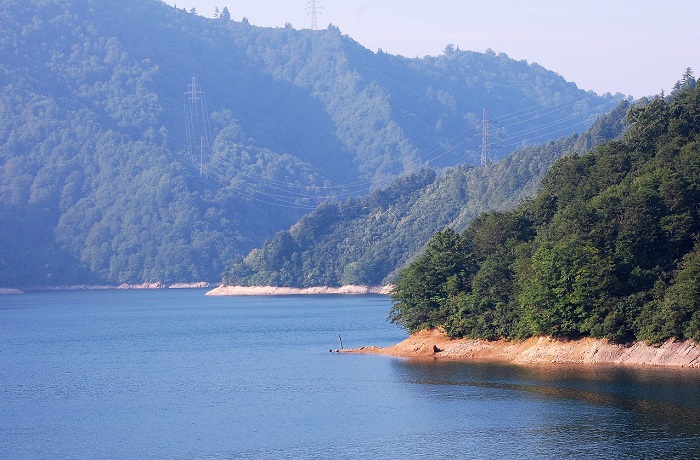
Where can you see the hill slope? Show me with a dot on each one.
(366, 240)
(609, 247)
(98, 182)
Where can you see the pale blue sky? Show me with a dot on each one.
(636, 47)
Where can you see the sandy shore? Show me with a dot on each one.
(434, 345)
(273, 290)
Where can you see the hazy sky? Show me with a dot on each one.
(635, 47)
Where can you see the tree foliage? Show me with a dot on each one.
(607, 248)
(423, 290)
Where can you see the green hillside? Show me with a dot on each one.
(366, 240)
(609, 248)
(98, 182)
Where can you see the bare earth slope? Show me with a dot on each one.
(434, 344)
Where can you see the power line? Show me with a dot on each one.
(261, 187)
(197, 129)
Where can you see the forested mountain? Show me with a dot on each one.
(609, 248)
(366, 240)
(98, 182)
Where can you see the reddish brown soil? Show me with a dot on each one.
(433, 344)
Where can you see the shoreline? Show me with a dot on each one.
(316, 290)
(434, 345)
(105, 287)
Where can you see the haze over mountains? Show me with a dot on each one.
(367, 240)
(98, 183)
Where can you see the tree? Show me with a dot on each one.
(681, 305)
(444, 270)
(688, 80)
(487, 312)
(225, 15)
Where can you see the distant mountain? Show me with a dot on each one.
(139, 142)
(367, 240)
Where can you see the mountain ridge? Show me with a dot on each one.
(97, 183)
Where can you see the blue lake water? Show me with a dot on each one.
(174, 374)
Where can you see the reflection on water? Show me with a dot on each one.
(616, 411)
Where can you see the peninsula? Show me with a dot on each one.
(433, 344)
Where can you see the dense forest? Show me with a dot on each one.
(610, 247)
(366, 240)
(98, 182)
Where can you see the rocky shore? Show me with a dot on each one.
(274, 290)
(433, 344)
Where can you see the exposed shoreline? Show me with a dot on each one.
(434, 345)
(218, 291)
(316, 290)
(101, 287)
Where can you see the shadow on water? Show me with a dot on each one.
(653, 398)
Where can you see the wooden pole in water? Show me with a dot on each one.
(341, 341)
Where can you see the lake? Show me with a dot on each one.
(173, 374)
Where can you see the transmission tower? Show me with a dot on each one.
(314, 9)
(197, 130)
(486, 158)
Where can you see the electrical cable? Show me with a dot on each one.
(231, 173)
